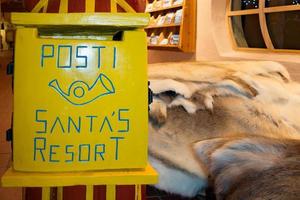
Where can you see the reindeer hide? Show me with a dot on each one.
(196, 101)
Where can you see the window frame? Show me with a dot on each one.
(261, 11)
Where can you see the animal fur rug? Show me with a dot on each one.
(198, 101)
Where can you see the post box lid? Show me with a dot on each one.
(121, 20)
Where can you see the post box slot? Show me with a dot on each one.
(92, 33)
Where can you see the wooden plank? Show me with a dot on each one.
(164, 45)
(162, 26)
(281, 8)
(188, 26)
(90, 6)
(137, 20)
(39, 6)
(138, 192)
(46, 193)
(123, 4)
(89, 192)
(110, 192)
(166, 8)
(60, 193)
(45, 7)
(263, 25)
(13, 178)
(113, 6)
(243, 12)
(229, 25)
(63, 6)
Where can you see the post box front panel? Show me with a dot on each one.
(79, 104)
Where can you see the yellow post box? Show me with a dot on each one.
(80, 92)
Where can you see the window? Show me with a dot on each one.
(265, 24)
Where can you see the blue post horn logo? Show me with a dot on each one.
(80, 93)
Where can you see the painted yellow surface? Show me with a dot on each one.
(127, 20)
(90, 6)
(63, 6)
(13, 178)
(79, 104)
(89, 192)
(110, 192)
(46, 193)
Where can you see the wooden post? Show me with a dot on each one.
(138, 192)
(46, 193)
(59, 193)
(110, 192)
(63, 6)
(89, 193)
(90, 6)
(113, 6)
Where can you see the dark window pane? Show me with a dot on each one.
(247, 31)
(244, 4)
(284, 29)
(270, 3)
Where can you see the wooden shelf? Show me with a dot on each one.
(164, 45)
(186, 29)
(162, 26)
(165, 8)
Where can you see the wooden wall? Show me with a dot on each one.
(5, 117)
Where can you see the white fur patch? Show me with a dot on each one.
(158, 106)
(176, 181)
(188, 105)
(159, 86)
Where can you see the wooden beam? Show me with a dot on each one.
(39, 6)
(281, 8)
(243, 12)
(263, 25)
(229, 25)
(113, 6)
(63, 6)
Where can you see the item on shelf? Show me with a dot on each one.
(167, 3)
(169, 37)
(169, 18)
(176, 20)
(149, 7)
(157, 4)
(154, 39)
(148, 39)
(152, 21)
(160, 20)
(174, 39)
(177, 2)
(162, 40)
(178, 16)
